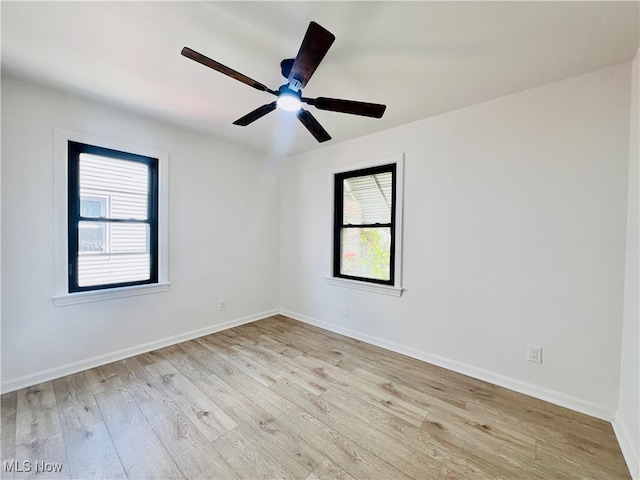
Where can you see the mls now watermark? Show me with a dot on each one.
(28, 466)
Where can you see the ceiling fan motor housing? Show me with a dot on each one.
(287, 90)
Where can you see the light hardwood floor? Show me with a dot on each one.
(281, 399)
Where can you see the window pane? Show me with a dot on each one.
(367, 199)
(366, 252)
(129, 238)
(92, 207)
(110, 269)
(123, 256)
(124, 183)
(92, 238)
(120, 255)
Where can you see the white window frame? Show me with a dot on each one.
(395, 289)
(61, 296)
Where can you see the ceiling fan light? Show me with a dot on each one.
(289, 102)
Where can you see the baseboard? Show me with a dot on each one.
(629, 451)
(75, 367)
(551, 396)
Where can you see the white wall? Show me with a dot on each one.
(514, 234)
(627, 419)
(223, 239)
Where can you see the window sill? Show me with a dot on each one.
(367, 287)
(108, 294)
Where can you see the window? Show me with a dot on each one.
(367, 201)
(113, 227)
(112, 219)
(364, 224)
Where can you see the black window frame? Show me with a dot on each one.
(339, 225)
(75, 149)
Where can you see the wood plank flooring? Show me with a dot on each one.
(281, 399)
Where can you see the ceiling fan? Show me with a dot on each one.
(297, 71)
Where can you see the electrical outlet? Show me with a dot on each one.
(344, 310)
(222, 305)
(534, 353)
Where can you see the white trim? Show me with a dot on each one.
(108, 294)
(366, 286)
(79, 366)
(396, 289)
(61, 288)
(542, 393)
(629, 452)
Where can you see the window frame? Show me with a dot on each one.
(339, 224)
(394, 285)
(75, 150)
(62, 293)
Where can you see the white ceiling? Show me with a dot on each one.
(418, 58)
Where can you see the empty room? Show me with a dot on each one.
(320, 240)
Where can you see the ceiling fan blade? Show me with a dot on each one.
(314, 47)
(255, 115)
(208, 62)
(375, 110)
(313, 126)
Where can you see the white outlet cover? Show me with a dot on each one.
(534, 353)
(344, 310)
